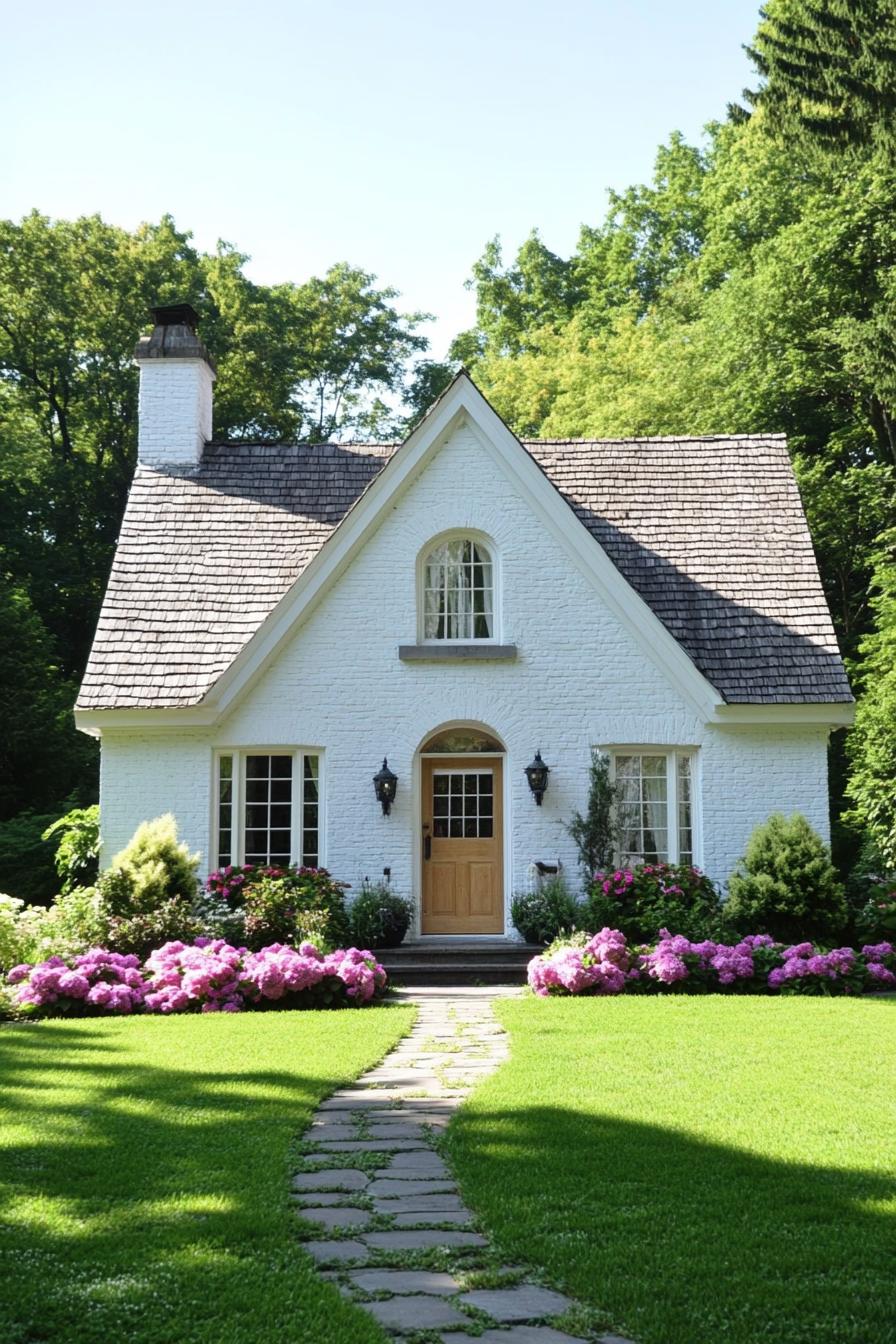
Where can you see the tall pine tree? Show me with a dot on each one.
(829, 71)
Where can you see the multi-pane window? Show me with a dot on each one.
(267, 834)
(268, 808)
(458, 591)
(654, 807)
(463, 804)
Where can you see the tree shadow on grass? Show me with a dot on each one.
(680, 1241)
(149, 1201)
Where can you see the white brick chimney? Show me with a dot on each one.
(176, 377)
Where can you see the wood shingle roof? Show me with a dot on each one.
(709, 531)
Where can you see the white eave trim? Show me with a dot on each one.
(95, 722)
(463, 401)
(834, 715)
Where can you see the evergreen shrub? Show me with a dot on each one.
(785, 885)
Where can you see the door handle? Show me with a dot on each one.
(427, 846)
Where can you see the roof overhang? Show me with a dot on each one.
(833, 715)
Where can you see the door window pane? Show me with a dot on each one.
(462, 804)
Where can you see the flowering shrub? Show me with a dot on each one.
(228, 883)
(880, 964)
(206, 976)
(289, 904)
(642, 900)
(98, 981)
(599, 966)
(203, 975)
(606, 964)
(278, 973)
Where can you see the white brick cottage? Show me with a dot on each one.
(280, 618)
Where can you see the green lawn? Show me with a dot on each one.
(697, 1169)
(145, 1172)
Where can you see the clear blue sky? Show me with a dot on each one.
(397, 135)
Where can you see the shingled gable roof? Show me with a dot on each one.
(710, 532)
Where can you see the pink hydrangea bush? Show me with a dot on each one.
(599, 966)
(605, 964)
(209, 976)
(880, 964)
(278, 973)
(205, 974)
(215, 977)
(706, 964)
(804, 969)
(96, 982)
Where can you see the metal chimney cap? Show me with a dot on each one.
(176, 315)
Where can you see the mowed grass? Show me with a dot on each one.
(697, 1169)
(145, 1174)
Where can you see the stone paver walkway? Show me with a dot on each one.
(386, 1220)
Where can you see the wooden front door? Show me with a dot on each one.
(463, 845)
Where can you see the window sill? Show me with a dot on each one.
(457, 653)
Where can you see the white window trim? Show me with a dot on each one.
(486, 542)
(671, 753)
(238, 827)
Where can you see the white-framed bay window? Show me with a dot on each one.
(267, 806)
(656, 804)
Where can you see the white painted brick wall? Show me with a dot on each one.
(580, 678)
(175, 410)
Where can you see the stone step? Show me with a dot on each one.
(496, 950)
(462, 971)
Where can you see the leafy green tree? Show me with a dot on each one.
(872, 786)
(329, 356)
(42, 758)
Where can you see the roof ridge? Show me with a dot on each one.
(777, 437)
(302, 443)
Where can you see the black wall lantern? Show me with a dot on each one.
(537, 775)
(385, 782)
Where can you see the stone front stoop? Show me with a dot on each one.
(369, 1229)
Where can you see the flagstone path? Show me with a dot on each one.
(384, 1217)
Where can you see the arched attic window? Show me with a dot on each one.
(459, 590)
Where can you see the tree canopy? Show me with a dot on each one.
(329, 357)
(750, 286)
